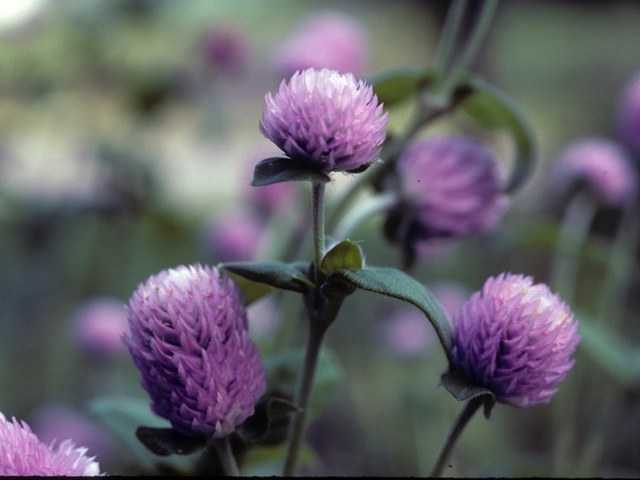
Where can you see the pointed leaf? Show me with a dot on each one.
(396, 284)
(492, 108)
(464, 389)
(345, 255)
(284, 276)
(269, 425)
(165, 441)
(284, 169)
(398, 85)
(252, 291)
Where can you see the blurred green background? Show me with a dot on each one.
(120, 141)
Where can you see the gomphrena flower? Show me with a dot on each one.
(98, 325)
(330, 40)
(515, 338)
(189, 339)
(602, 165)
(23, 454)
(452, 187)
(629, 115)
(329, 121)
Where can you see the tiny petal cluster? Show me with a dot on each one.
(515, 338)
(601, 164)
(23, 454)
(452, 186)
(629, 115)
(98, 325)
(330, 40)
(190, 340)
(328, 121)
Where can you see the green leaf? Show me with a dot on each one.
(492, 108)
(252, 291)
(398, 85)
(285, 276)
(167, 441)
(282, 377)
(345, 255)
(396, 284)
(284, 169)
(269, 425)
(464, 389)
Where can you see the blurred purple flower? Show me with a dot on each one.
(408, 333)
(629, 115)
(515, 338)
(98, 325)
(452, 186)
(330, 40)
(226, 49)
(190, 340)
(233, 236)
(603, 165)
(58, 422)
(329, 121)
(23, 454)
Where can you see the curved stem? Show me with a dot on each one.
(314, 344)
(574, 231)
(465, 415)
(446, 45)
(317, 212)
(223, 447)
(364, 211)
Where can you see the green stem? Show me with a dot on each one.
(223, 446)
(620, 266)
(574, 231)
(317, 213)
(446, 45)
(364, 211)
(484, 18)
(314, 344)
(465, 415)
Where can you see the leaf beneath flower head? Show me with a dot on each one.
(283, 169)
(464, 389)
(396, 284)
(492, 108)
(167, 441)
(269, 425)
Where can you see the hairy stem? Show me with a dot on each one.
(223, 447)
(317, 212)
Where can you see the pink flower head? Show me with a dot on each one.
(22, 454)
(190, 340)
(234, 236)
(330, 40)
(98, 327)
(329, 121)
(515, 338)
(603, 165)
(452, 187)
(629, 115)
(226, 49)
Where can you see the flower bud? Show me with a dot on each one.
(515, 338)
(326, 120)
(98, 326)
(22, 454)
(190, 340)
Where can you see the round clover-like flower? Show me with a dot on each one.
(326, 120)
(629, 114)
(452, 187)
(515, 338)
(23, 454)
(190, 340)
(603, 166)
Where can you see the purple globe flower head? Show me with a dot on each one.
(602, 165)
(330, 40)
(98, 325)
(407, 334)
(515, 338)
(452, 186)
(233, 236)
(190, 340)
(328, 121)
(629, 115)
(23, 454)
